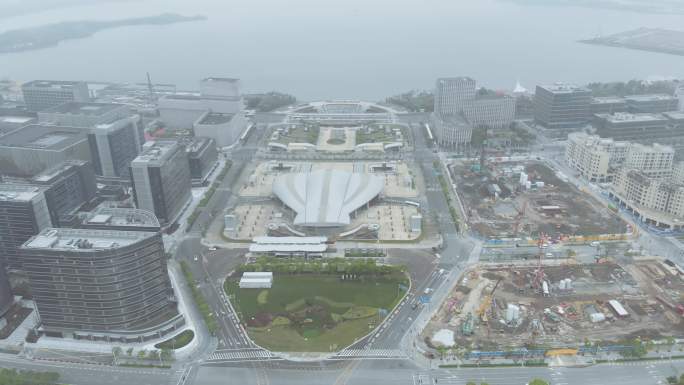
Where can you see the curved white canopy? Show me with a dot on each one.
(325, 198)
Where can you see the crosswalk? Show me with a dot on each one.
(241, 355)
(370, 353)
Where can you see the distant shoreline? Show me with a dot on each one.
(50, 35)
(644, 39)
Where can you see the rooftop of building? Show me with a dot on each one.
(560, 88)
(84, 108)
(18, 192)
(56, 84)
(455, 78)
(608, 100)
(674, 115)
(655, 147)
(220, 79)
(182, 97)
(114, 216)
(43, 137)
(649, 97)
(155, 151)
(213, 118)
(84, 240)
(51, 173)
(638, 176)
(623, 117)
(595, 140)
(194, 144)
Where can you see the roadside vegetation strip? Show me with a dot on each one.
(208, 194)
(178, 341)
(502, 365)
(200, 301)
(28, 377)
(445, 190)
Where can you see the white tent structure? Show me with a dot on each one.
(326, 198)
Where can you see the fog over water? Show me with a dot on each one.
(345, 49)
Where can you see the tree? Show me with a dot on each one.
(153, 355)
(142, 353)
(116, 352)
(129, 352)
(538, 381)
(166, 354)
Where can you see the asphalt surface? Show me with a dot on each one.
(396, 372)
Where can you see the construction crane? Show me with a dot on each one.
(539, 273)
(518, 218)
(150, 88)
(486, 303)
(483, 152)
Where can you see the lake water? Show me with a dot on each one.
(318, 49)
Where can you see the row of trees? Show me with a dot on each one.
(161, 355)
(445, 189)
(414, 101)
(269, 101)
(633, 87)
(329, 266)
(199, 299)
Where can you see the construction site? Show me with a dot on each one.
(526, 199)
(498, 307)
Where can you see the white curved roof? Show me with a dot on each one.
(325, 198)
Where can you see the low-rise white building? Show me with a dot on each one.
(256, 280)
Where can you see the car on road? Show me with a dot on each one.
(195, 258)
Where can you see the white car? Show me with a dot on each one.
(195, 258)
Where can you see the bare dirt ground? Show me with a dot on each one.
(550, 206)
(649, 290)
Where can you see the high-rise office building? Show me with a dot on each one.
(40, 95)
(460, 106)
(202, 158)
(221, 95)
(100, 284)
(24, 213)
(114, 133)
(452, 95)
(217, 95)
(161, 179)
(645, 128)
(224, 129)
(68, 187)
(651, 103)
(6, 296)
(562, 106)
(35, 148)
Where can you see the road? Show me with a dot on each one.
(402, 372)
(84, 374)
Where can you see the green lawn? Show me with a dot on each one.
(378, 135)
(311, 312)
(178, 341)
(300, 135)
